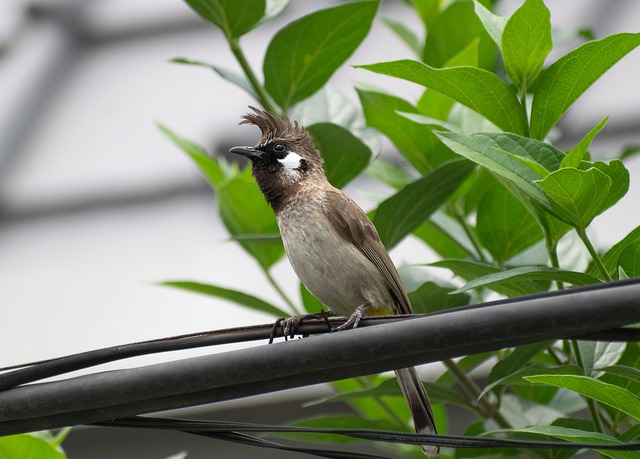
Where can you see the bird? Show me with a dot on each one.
(330, 242)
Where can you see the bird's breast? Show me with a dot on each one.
(332, 268)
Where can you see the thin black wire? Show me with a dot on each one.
(17, 375)
(238, 432)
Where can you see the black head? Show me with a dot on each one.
(284, 157)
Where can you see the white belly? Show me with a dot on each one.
(333, 269)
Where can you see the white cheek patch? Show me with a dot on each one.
(291, 163)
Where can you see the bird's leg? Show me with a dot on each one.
(289, 325)
(354, 319)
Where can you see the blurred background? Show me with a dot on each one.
(97, 207)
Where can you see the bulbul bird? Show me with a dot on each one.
(330, 242)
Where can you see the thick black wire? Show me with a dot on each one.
(188, 382)
(25, 373)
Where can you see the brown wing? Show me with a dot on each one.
(350, 221)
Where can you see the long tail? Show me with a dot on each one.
(419, 405)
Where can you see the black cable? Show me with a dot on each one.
(366, 350)
(25, 373)
(214, 428)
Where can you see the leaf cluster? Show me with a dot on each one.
(481, 185)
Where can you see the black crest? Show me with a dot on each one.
(275, 127)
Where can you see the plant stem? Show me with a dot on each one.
(60, 436)
(552, 251)
(384, 405)
(263, 97)
(489, 409)
(594, 254)
(472, 237)
(523, 102)
(282, 294)
(593, 410)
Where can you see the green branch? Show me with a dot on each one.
(594, 254)
(591, 404)
(489, 409)
(263, 96)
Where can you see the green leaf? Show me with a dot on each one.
(622, 274)
(435, 105)
(232, 17)
(417, 143)
(311, 304)
(582, 436)
(629, 260)
(272, 239)
(619, 176)
(632, 434)
(331, 106)
(244, 211)
(560, 85)
(452, 31)
(514, 378)
(468, 56)
(208, 166)
(403, 212)
(363, 407)
(493, 24)
(522, 412)
(429, 121)
(504, 226)
(629, 151)
(469, 270)
(610, 258)
(575, 196)
(526, 43)
(337, 422)
(345, 156)
(405, 34)
(528, 273)
(234, 77)
(554, 229)
(304, 54)
(475, 188)
(599, 354)
(27, 446)
(466, 364)
(518, 358)
(241, 298)
(488, 150)
(427, 10)
(273, 8)
(389, 173)
(623, 371)
(431, 297)
(577, 153)
(482, 91)
(445, 235)
(389, 388)
(608, 394)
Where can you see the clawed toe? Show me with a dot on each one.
(290, 325)
(354, 319)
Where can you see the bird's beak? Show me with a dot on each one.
(248, 152)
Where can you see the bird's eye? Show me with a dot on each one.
(279, 148)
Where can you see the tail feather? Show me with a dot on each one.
(419, 405)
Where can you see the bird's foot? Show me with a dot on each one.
(354, 319)
(290, 325)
